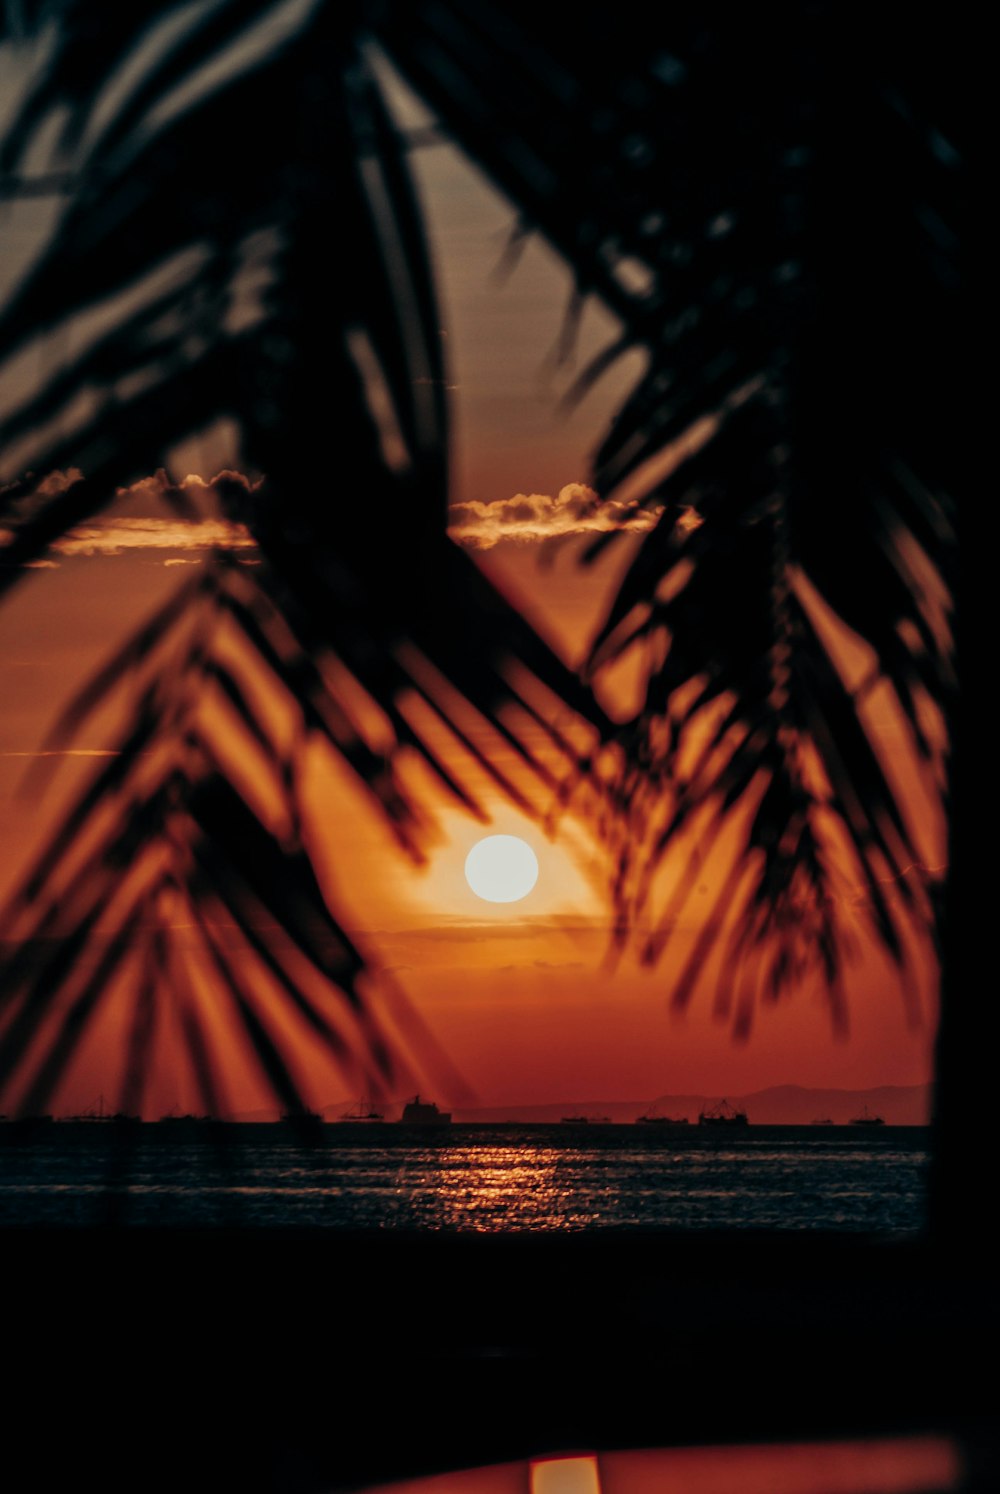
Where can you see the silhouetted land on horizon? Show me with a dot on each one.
(777, 1105)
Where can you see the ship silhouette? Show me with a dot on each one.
(723, 1114)
(417, 1112)
(364, 1110)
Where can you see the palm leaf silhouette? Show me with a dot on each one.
(769, 205)
(768, 255)
(355, 566)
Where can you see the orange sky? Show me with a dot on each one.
(521, 996)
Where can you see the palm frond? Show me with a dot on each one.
(769, 205)
(182, 847)
(229, 307)
(766, 234)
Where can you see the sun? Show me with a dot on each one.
(501, 868)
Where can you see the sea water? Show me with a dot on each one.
(496, 1179)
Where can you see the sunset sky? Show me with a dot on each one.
(524, 998)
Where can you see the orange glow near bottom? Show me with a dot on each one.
(903, 1465)
(897, 1465)
(565, 1476)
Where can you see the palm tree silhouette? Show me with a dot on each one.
(780, 245)
(768, 201)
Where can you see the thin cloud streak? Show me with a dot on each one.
(69, 752)
(114, 536)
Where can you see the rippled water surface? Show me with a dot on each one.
(470, 1179)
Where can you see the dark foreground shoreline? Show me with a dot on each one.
(299, 1362)
(302, 1361)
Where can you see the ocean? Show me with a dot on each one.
(468, 1179)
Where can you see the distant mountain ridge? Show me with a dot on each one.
(779, 1105)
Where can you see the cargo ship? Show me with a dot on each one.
(723, 1114)
(417, 1112)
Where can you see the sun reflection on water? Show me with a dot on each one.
(522, 1187)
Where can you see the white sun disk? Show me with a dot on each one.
(501, 868)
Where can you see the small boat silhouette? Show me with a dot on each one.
(661, 1120)
(364, 1110)
(723, 1114)
(98, 1115)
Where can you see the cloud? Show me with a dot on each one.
(114, 534)
(542, 965)
(58, 482)
(69, 752)
(529, 518)
(159, 487)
